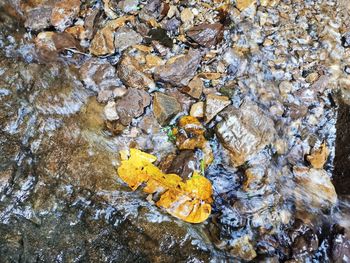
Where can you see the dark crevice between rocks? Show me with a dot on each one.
(341, 174)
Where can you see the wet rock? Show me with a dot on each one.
(245, 131)
(153, 61)
(243, 4)
(149, 124)
(314, 188)
(98, 75)
(90, 22)
(318, 157)
(183, 164)
(132, 105)
(50, 44)
(43, 12)
(236, 63)
(345, 40)
(197, 110)
(180, 71)
(104, 96)
(215, 104)
(110, 111)
(103, 42)
(172, 25)
(187, 16)
(160, 35)
(126, 37)
(64, 12)
(341, 247)
(128, 5)
(206, 34)
(194, 88)
(152, 10)
(131, 74)
(165, 107)
(243, 249)
(64, 40)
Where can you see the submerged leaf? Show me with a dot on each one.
(189, 201)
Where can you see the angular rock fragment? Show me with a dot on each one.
(244, 131)
(128, 5)
(318, 157)
(206, 35)
(132, 105)
(126, 37)
(98, 74)
(110, 111)
(103, 41)
(165, 107)
(131, 74)
(214, 104)
(180, 71)
(242, 248)
(314, 188)
(243, 4)
(194, 88)
(197, 110)
(32, 15)
(64, 12)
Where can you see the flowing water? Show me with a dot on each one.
(61, 199)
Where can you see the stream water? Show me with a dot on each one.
(62, 201)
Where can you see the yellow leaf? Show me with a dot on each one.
(189, 201)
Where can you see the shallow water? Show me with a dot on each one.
(61, 199)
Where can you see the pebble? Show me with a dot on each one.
(197, 110)
(110, 111)
(165, 108)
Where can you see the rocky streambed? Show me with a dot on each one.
(253, 94)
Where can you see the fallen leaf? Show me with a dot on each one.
(318, 157)
(189, 200)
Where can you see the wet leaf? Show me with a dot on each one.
(188, 200)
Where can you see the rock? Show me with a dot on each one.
(160, 35)
(180, 71)
(32, 22)
(98, 74)
(110, 111)
(104, 96)
(131, 74)
(206, 35)
(243, 4)
(183, 164)
(119, 92)
(236, 63)
(128, 5)
(341, 247)
(242, 248)
(318, 157)
(64, 12)
(172, 25)
(194, 88)
(103, 42)
(197, 110)
(244, 131)
(165, 107)
(65, 40)
(345, 40)
(187, 16)
(90, 22)
(314, 188)
(149, 124)
(215, 104)
(152, 10)
(126, 37)
(132, 105)
(153, 61)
